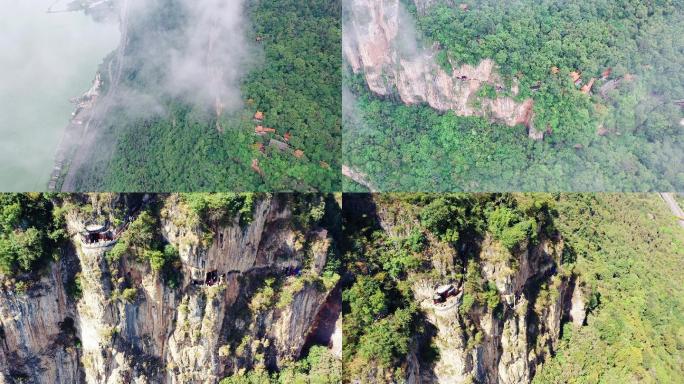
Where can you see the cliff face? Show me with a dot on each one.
(204, 329)
(504, 344)
(37, 333)
(379, 41)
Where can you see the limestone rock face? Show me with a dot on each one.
(578, 310)
(502, 345)
(161, 334)
(379, 40)
(503, 350)
(37, 333)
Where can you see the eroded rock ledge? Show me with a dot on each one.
(379, 41)
(129, 325)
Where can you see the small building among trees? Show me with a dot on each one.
(443, 292)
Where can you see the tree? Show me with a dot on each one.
(26, 232)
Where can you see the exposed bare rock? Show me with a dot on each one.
(358, 177)
(578, 311)
(490, 345)
(151, 332)
(513, 365)
(295, 322)
(379, 41)
(37, 337)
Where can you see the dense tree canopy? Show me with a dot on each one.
(628, 249)
(29, 231)
(632, 105)
(296, 84)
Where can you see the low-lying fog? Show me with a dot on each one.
(45, 59)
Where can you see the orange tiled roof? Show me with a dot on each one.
(575, 76)
(260, 129)
(587, 87)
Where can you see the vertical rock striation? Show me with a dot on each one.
(380, 42)
(162, 334)
(503, 345)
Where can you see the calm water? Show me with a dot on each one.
(45, 59)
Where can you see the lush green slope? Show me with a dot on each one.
(296, 84)
(414, 148)
(30, 232)
(630, 251)
(625, 249)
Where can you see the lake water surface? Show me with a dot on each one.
(45, 60)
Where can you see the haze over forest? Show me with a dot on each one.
(522, 95)
(171, 102)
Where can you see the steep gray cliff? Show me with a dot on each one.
(247, 295)
(477, 342)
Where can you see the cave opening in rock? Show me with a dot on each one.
(211, 278)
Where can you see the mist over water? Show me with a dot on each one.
(45, 59)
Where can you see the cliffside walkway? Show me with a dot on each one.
(358, 177)
(671, 202)
(68, 163)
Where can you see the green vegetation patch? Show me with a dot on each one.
(629, 252)
(29, 232)
(296, 86)
(625, 135)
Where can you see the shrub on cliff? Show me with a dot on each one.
(129, 294)
(28, 232)
(510, 226)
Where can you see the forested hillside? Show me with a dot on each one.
(604, 76)
(628, 249)
(30, 231)
(151, 140)
(567, 288)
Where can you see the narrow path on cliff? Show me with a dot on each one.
(89, 136)
(358, 178)
(671, 202)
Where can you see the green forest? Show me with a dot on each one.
(31, 230)
(625, 249)
(629, 249)
(633, 49)
(295, 82)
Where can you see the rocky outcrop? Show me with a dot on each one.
(37, 334)
(358, 177)
(578, 309)
(502, 345)
(129, 326)
(505, 344)
(380, 42)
